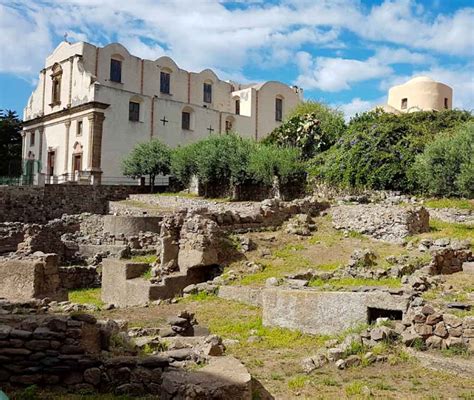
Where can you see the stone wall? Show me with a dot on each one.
(40, 204)
(31, 278)
(79, 277)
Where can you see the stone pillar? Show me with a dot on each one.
(96, 123)
(23, 145)
(67, 124)
(40, 152)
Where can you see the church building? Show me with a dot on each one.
(93, 104)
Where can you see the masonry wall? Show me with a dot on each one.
(40, 204)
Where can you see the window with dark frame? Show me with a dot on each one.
(404, 103)
(133, 111)
(446, 103)
(165, 82)
(237, 106)
(56, 90)
(32, 139)
(207, 93)
(278, 109)
(186, 120)
(116, 70)
(79, 128)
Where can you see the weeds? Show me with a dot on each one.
(86, 296)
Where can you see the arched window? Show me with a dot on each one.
(165, 80)
(56, 77)
(116, 68)
(279, 108)
(187, 119)
(207, 91)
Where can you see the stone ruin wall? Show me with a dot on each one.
(41, 204)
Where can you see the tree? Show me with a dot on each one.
(10, 143)
(446, 166)
(150, 158)
(378, 149)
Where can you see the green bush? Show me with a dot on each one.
(268, 161)
(183, 162)
(379, 149)
(446, 167)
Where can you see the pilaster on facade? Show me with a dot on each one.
(67, 125)
(40, 155)
(96, 123)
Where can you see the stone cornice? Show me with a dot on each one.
(65, 112)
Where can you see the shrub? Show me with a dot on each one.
(183, 162)
(446, 167)
(151, 158)
(379, 149)
(268, 161)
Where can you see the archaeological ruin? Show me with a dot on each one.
(362, 273)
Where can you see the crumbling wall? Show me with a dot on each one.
(389, 223)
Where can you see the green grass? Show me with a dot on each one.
(441, 229)
(354, 388)
(201, 296)
(450, 203)
(298, 382)
(86, 296)
(459, 350)
(149, 258)
(147, 274)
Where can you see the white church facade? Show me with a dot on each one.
(93, 104)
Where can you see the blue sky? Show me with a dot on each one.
(346, 53)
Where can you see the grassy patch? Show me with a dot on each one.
(201, 296)
(354, 388)
(458, 350)
(441, 229)
(450, 203)
(147, 274)
(86, 296)
(150, 258)
(297, 382)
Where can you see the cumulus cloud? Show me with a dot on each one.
(335, 74)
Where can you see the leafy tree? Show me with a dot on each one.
(379, 149)
(446, 167)
(150, 158)
(10, 143)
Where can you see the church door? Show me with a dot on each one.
(51, 156)
(77, 162)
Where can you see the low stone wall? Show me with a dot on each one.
(11, 234)
(242, 294)
(40, 204)
(389, 223)
(79, 277)
(31, 278)
(324, 313)
(130, 225)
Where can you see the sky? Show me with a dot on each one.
(346, 53)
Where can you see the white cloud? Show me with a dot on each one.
(335, 74)
(358, 105)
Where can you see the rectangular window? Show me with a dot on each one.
(278, 109)
(32, 139)
(133, 111)
(115, 70)
(79, 128)
(404, 104)
(446, 103)
(164, 82)
(186, 120)
(237, 107)
(207, 93)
